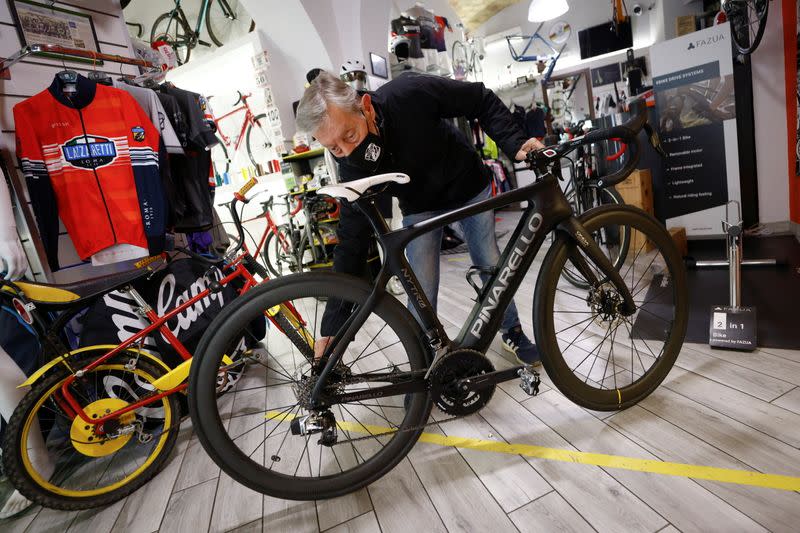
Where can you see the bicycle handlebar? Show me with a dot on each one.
(626, 133)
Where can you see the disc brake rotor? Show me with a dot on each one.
(84, 436)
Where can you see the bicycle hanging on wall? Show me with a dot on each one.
(222, 21)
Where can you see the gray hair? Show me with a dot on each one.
(326, 89)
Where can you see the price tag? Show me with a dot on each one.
(260, 60)
(733, 328)
(262, 78)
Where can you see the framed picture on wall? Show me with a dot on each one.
(41, 23)
(379, 67)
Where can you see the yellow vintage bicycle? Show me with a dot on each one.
(101, 421)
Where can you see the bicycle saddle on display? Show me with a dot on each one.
(353, 190)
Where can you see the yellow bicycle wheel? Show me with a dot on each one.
(56, 459)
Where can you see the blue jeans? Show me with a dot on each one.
(478, 230)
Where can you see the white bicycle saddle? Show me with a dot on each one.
(352, 190)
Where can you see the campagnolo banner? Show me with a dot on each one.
(113, 318)
(696, 110)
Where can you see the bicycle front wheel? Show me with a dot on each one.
(251, 437)
(57, 460)
(219, 157)
(615, 241)
(596, 356)
(227, 20)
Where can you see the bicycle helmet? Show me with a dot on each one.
(400, 46)
(354, 73)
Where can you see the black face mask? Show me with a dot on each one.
(368, 153)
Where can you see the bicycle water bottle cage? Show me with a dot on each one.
(478, 270)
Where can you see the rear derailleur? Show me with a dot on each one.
(323, 422)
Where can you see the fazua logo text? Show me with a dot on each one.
(707, 41)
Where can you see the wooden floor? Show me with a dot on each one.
(716, 408)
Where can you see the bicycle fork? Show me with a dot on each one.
(580, 239)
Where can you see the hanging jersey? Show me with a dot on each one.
(91, 158)
(148, 100)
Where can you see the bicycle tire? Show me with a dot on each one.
(225, 164)
(554, 360)
(292, 334)
(157, 35)
(212, 431)
(259, 120)
(216, 36)
(58, 497)
(607, 196)
(460, 60)
(737, 12)
(275, 266)
(477, 69)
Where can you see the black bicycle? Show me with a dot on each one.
(304, 431)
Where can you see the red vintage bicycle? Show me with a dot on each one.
(101, 421)
(253, 131)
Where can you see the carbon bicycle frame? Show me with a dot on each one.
(548, 210)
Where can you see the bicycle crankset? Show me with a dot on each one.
(450, 382)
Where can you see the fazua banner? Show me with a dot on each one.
(696, 111)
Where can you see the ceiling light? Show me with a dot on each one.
(543, 10)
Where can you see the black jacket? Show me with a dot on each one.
(444, 166)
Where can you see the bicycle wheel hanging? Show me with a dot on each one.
(255, 439)
(57, 460)
(460, 61)
(170, 28)
(596, 356)
(614, 240)
(476, 73)
(748, 19)
(227, 20)
(259, 143)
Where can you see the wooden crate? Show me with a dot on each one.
(679, 238)
(637, 190)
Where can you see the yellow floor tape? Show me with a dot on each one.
(725, 475)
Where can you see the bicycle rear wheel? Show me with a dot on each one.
(248, 434)
(258, 140)
(56, 460)
(170, 28)
(748, 19)
(597, 357)
(279, 254)
(615, 241)
(219, 157)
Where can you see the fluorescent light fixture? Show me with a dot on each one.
(544, 10)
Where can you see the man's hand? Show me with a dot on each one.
(529, 146)
(320, 345)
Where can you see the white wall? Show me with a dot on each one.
(35, 74)
(769, 107)
(295, 47)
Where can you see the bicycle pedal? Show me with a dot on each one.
(529, 380)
